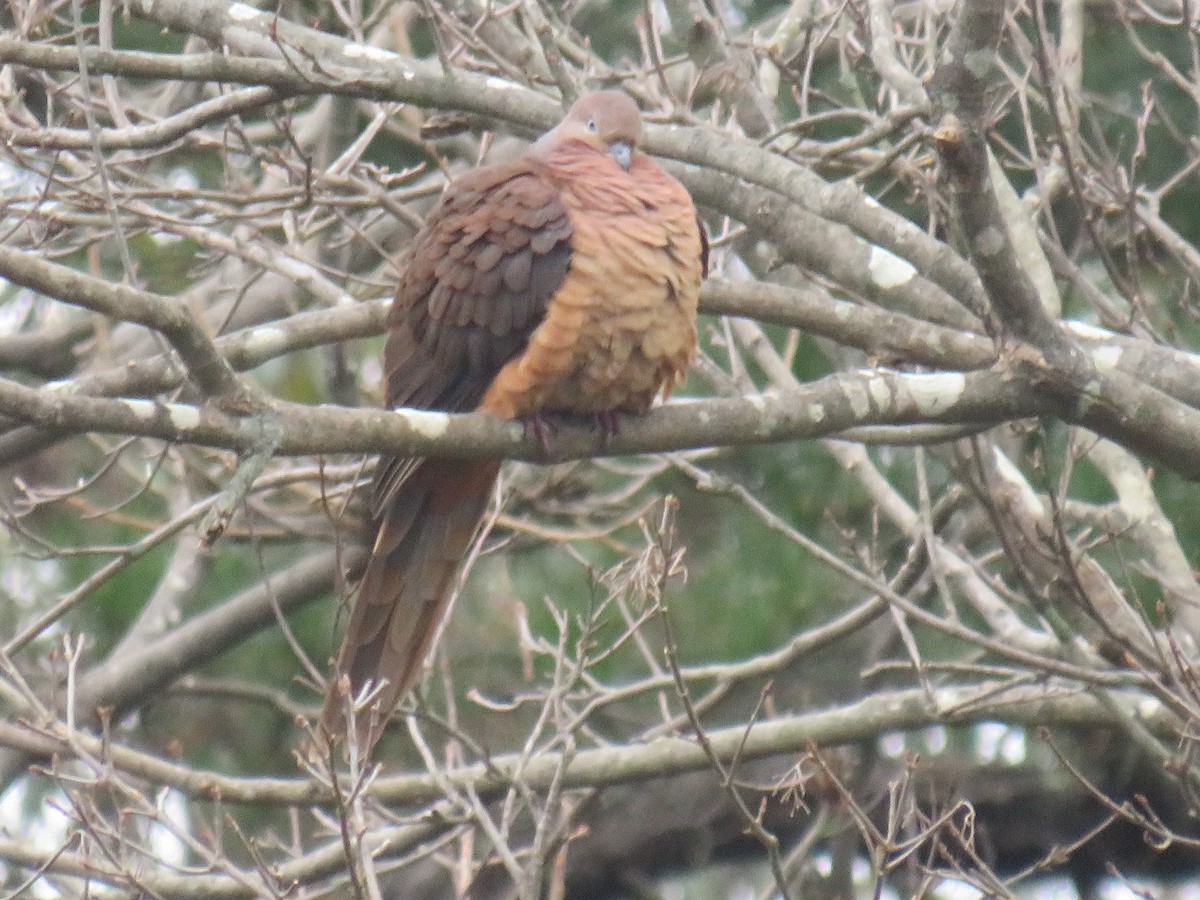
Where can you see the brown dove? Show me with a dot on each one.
(563, 281)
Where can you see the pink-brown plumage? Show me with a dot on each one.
(565, 280)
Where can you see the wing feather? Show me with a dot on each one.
(480, 276)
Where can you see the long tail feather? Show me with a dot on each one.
(422, 538)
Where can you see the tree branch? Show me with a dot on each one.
(207, 368)
(1060, 705)
(827, 406)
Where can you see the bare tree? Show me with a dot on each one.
(898, 592)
